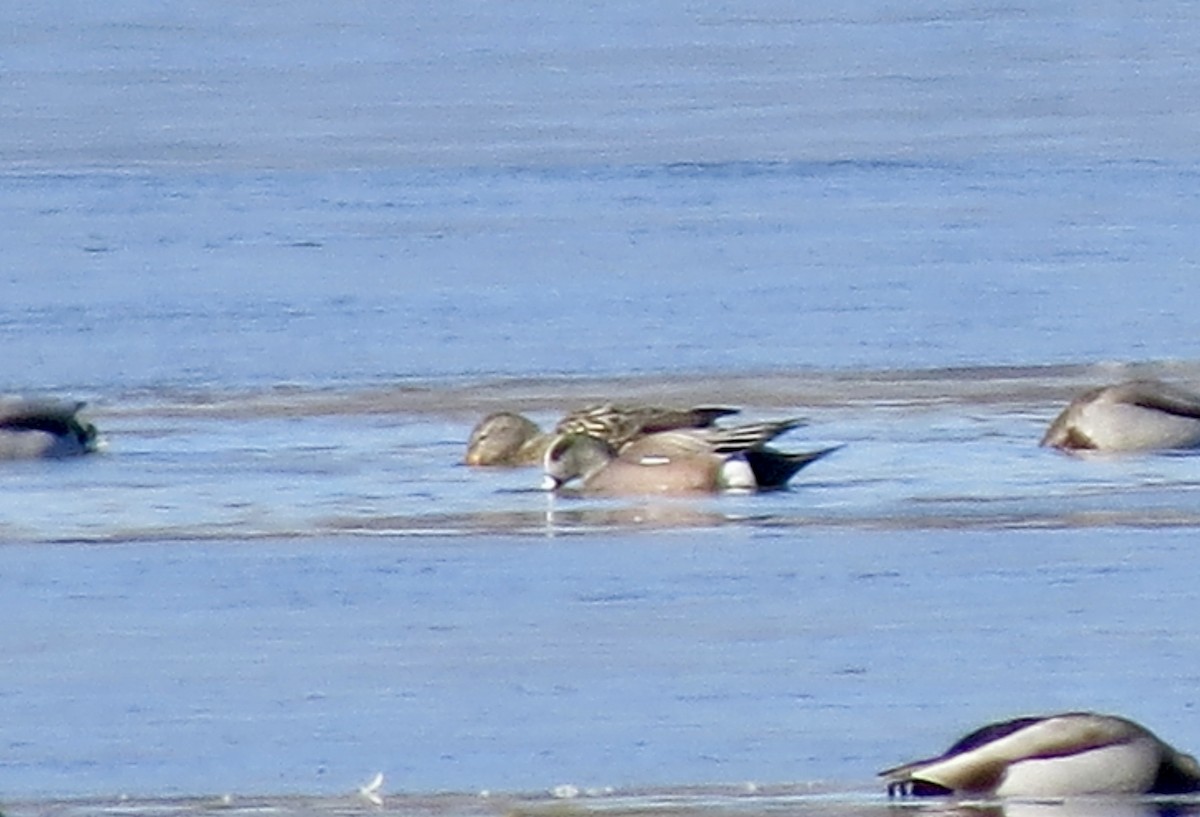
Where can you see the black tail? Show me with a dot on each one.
(773, 469)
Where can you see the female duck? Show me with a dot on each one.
(506, 438)
(1138, 415)
(41, 429)
(1073, 754)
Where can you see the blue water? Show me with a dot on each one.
(145, 281)
(526, 662)
(289, 253)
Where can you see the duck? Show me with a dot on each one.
(1136, 415)
(506, 438)
(44, 429)
(679, 461)
(1061, 755)
(620, 425)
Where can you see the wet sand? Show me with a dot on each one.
(1049, 387)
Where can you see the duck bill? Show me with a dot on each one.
(549, 483)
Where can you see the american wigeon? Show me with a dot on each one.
(1072, 754)
(1138, 415)
(33, 429)
(505, 438)
(676, 462)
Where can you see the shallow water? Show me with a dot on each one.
(523, 662)
(290, 253)
(945, 449)
(675, 802)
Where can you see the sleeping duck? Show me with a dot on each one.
(1072, 754)
(33, 429)
(1138, 415)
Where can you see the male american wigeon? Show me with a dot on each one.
(505, 438)
(1138, 415)
(1072, 754)
(33, 429)
(676, 462)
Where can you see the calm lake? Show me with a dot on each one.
(289, 253)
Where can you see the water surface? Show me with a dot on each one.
(290, 253)
(524, 662)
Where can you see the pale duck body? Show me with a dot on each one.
(1067, 755)
(1138, 415)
